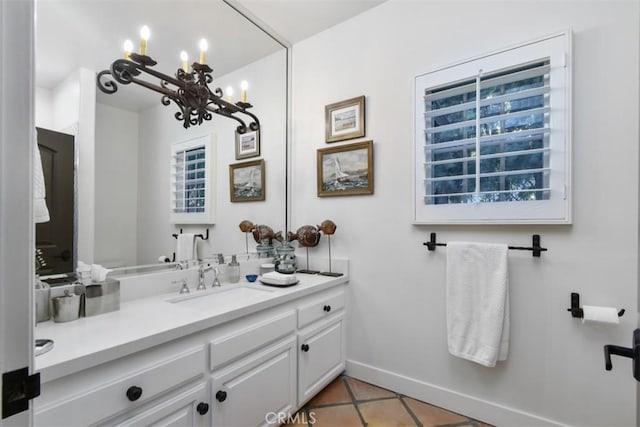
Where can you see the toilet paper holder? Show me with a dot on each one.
(575, 309)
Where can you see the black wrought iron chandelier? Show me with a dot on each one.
(189, 90)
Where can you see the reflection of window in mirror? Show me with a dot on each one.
(192, 172)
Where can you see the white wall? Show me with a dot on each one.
(555, 371)
(43, 108)
(159, 129)
(116, 180)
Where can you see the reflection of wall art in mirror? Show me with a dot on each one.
(346, 170)
(246, 181)
(247, 144)
(344, 120)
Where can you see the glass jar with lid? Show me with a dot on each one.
(285, 260)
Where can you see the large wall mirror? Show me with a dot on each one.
(119, 206)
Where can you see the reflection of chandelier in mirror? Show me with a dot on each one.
(189, 90)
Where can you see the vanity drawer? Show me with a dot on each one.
(110, 396)
(320, 308)
(242, 341)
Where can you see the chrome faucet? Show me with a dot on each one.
(201, 271)
(216, 273)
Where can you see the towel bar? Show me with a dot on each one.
(203, 237)
(535, 245)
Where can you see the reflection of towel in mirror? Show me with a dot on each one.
(186, 249)
(41, 213)
(478, 301)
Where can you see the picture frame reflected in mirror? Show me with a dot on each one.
(247, 144)
(247, 181)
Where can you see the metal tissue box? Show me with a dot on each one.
(102, 297)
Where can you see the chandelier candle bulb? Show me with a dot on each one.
(229, 92)
(203, 50)
(244, 85)
(185, 61)
(128, 48)
(145, 33)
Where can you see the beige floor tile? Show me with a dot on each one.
(430, 415)
(334, 416)
(336, 392)
(365, 391)
(385, 413)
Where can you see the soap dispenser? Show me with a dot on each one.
(233, 272)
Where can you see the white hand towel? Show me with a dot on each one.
(186, 248)
(478, 301)
(41, 213)
(277, 278)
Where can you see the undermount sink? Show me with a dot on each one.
(208, 300)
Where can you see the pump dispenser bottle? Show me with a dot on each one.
(233, 272)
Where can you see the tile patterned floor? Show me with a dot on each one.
(348, 402)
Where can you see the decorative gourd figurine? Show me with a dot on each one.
(328, 227)
(261, 232)
(246, 227)
(307, 237)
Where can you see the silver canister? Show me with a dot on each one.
(66, 308)
(102, 297)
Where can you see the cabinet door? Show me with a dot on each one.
(251, 391)
(189, 408)
(321, 357)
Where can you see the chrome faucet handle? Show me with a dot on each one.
(216, 273)
(201, 270)
(185, 288)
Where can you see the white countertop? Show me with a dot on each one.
(147, 322)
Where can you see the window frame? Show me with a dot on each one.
(208, 142)
(556, 210)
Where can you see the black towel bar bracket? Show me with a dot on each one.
(577, 312)
(202, 236)
(535, 245)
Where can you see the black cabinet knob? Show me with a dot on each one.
(134, 393)
(202, 408)
(327, 308)
(305, 347)
(221, 396)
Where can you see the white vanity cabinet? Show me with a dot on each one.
(189, 408)
(321, 344)
(248, 370)
(123, 388)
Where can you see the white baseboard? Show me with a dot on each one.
(470, 406)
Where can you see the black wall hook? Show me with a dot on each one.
(577, 312)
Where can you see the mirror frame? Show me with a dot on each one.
(264, 27)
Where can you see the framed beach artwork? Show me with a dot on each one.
(344, 120)
(345, 170)
(246, 181)
(247, 144)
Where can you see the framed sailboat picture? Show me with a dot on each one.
(346, 170)
(246, 181)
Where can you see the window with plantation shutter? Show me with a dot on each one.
(192, 173)
(492, 141)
